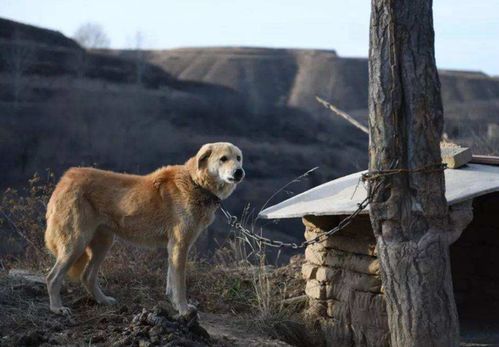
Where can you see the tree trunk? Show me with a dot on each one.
(409, 211)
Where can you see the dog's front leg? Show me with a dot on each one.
(178, 264)
(169, 280)
(169, 275)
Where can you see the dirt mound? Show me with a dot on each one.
(25, 320)
(162, 326)
(142, 316)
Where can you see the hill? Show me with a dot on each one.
(61, 106)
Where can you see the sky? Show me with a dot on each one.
(466, 31)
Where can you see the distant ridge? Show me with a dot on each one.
(106, 108)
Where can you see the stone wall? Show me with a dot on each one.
(345, 290)
(343, 283)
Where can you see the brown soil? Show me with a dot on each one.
(138, 319)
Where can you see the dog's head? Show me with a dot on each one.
(218, 167)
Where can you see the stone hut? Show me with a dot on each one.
(342, 272)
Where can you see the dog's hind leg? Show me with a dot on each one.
(97, 250)
(69, 231)
(67, 254)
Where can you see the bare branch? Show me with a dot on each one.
(342, 114)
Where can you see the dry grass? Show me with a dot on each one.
(483, 145)
(241, 282)
(259, 290)
(22, 219)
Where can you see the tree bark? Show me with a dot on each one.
(409, 211)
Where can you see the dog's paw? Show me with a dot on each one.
(61, 310)
(192, 308)
(107, 300)
(189, 315)
(187, 310)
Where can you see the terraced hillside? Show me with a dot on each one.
(135, 111)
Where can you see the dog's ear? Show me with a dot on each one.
(203, 155)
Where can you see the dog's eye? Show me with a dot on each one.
(238, 158)
(223, 159)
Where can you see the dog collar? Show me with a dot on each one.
(208, 198)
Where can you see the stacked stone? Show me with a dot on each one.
(344, 284)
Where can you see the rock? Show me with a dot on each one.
(27, 275)
(316, 309)
(144, 343)
(340, 284)
(315, 290)
(314, 254)
(165, 309)
(199, 331)
(162, 326)
(156, 330)
(353, 262)
(454, 155)
(345, 243)
(338, 310)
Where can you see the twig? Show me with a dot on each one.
(342, 114)
(297, 179)
(109, 314)
(295, 300)
(18, 231)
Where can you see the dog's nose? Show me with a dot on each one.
(238, 174)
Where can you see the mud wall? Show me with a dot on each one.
(344, 288)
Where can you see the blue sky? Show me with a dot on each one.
(467, 32)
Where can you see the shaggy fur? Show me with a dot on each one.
(168, 208)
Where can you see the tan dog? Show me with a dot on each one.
(168, 207)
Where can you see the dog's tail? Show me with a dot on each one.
(78, 266)
(55, 238)
(51, 243)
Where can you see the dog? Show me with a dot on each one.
(167, 208)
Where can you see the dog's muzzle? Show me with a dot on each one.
(238, 175)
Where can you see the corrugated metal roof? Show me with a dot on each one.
(341, 196)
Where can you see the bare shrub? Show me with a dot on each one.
(91, 35)
(240, 279)
(483, 145)
(22, 214)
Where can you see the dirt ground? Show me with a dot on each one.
(141, 318)
(138, 320)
